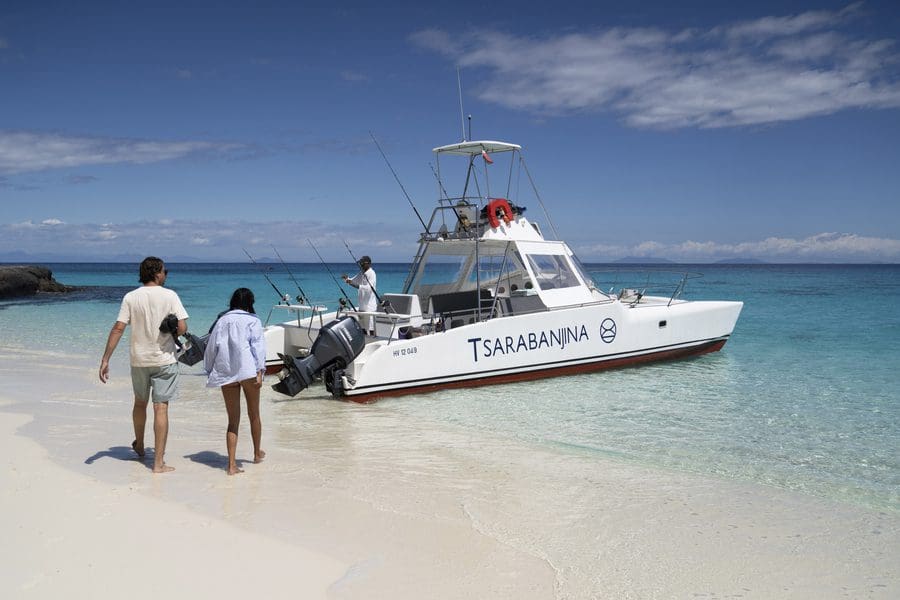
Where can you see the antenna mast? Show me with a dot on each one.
(462, 117)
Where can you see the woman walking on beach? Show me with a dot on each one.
(235, 360)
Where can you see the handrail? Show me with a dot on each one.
(645, 279)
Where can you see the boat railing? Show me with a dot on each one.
(302, 311)
(631, 285)
(454, 218)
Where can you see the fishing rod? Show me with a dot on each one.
(302, 298)
(461, 219)
(281, 297)
(366, 277)
(440, 183)
(408, 199)
(324, 264)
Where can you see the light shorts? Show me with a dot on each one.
(162, 380)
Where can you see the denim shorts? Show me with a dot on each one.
(162, 380)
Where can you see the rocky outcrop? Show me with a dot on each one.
(28, 280)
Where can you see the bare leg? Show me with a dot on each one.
(139, 418)
(232, 395)
(161, 433)
(251, 392)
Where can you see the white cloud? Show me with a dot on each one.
(211, 240)
(26, 151)
(225, 240)
(763, 71)
(354, 76)
(822, 247)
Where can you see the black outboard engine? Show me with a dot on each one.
(337, 344)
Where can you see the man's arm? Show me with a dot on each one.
(115, 334)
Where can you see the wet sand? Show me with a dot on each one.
(357, 502)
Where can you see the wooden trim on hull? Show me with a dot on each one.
(614, 363)
(273, 368)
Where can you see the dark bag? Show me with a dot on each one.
(193, 349)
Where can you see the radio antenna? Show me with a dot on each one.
(462, 113)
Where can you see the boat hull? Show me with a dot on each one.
(540, 372)
(533, 346)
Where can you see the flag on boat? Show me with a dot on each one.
(486, 158)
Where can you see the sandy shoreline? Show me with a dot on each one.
(355, 503)
(67, 535)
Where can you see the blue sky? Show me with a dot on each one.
(694, 131)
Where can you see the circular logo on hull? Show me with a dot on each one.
(608, 330)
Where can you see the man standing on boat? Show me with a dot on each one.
(365, 281)
(156, 316)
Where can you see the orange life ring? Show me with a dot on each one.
(498, 204)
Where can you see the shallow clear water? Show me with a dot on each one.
(805, 396)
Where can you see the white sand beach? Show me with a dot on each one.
(354, 502)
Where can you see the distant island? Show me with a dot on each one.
(655, 260)
(741, 261)
(644, 260)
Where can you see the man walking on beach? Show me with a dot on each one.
(153, 364)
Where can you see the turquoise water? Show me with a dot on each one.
(805, 396)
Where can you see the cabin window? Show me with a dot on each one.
(552, 271)
(496, 271)
(442, 270)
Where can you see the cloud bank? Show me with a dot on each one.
(28, 151)
(221, 240)
(769, 70)
(822, 247)
(225, 240)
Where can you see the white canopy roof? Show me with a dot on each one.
(477, 147)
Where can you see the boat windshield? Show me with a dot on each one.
(448, 267)
(552, 271)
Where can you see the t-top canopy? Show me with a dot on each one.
(469, 148)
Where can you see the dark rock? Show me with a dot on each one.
(28, 280)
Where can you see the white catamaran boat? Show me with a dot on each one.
(488, 300)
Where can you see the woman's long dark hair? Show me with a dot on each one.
(242, 299)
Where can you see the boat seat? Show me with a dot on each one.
(520, 305)
(460, 308)
(403, 304)
(457, 302)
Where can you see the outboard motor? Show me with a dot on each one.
(337, 344)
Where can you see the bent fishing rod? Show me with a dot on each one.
(281, 297)
(366, 277)
(408, 199)
(324, 264)
(302, 298)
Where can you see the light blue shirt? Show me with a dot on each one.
(236, 349)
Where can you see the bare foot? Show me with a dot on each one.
(234, 470)
(139, 450)
(164, 468)
(259, 456)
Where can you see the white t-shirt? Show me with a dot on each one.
(366, 282)
(144, 309)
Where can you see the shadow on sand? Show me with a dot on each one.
(213, 459)
(125, 453)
